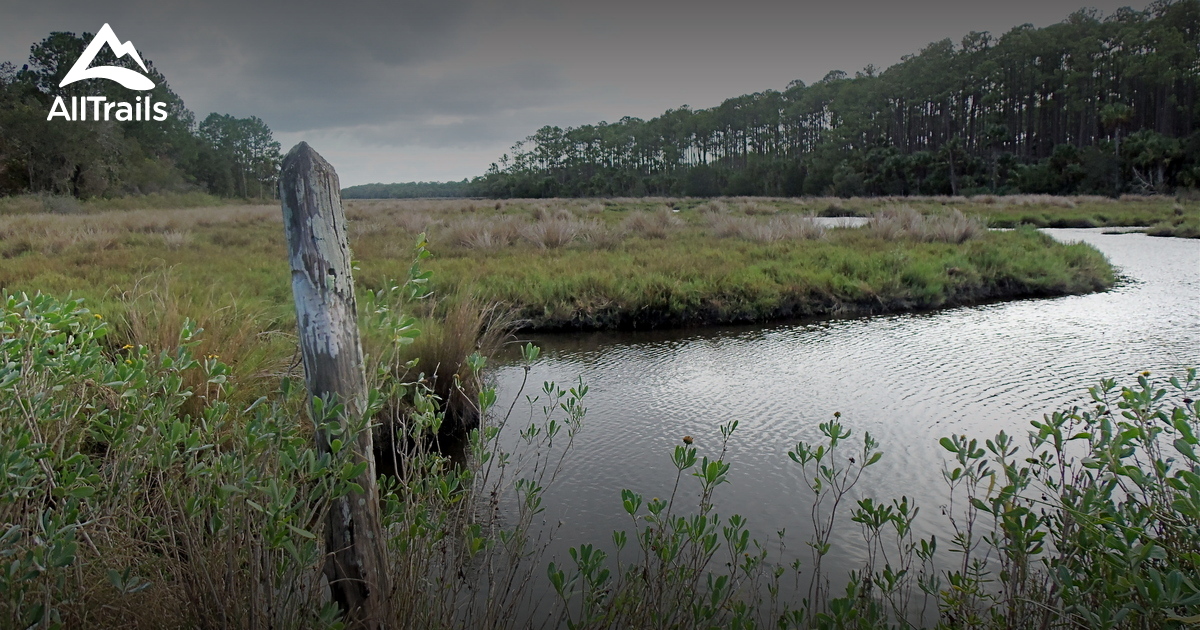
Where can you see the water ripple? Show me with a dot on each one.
(907, 378)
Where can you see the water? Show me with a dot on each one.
(908, 379)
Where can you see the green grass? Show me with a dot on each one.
(140, 492)
(1084, 212)
(703, 280)
(135, 496)
(608, 271)
(1182, 226)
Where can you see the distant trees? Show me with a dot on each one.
(240, 157)
(410, 190)
(1088, 105)
(224, 155)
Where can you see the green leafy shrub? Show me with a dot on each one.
(1096, 524)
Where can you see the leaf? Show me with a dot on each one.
(302, 532)
(261, 400)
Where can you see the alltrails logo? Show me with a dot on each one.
(101, 108)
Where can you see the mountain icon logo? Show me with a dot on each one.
(124, 76)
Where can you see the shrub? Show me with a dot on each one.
(1094, 526)
(125, 505)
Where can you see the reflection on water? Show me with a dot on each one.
(908, 379)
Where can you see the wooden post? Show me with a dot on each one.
(323, 287)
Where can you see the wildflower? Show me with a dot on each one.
(127, 347)
(837, 414)
(97, 316)
(687, 439)
(1146, 373)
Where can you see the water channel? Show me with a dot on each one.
(908, 379)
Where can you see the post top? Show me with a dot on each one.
(301, 159)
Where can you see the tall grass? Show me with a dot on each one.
(787, 227)
(643, 265)
(132, 499)
(905, 222)
(157, 475)
(658, 224)
(552, 232)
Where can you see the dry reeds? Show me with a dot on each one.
(458, 327)
(904, 222)
(753, 208)
(154, 316)
(479, 233)
(551, 233)
(657, 224)
(787, 227)
(599, 235)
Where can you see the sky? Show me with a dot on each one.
(396, 91)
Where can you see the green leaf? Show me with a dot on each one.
(302, 532)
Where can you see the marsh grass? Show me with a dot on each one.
(159, 475)
(55, 204)
(787, 227)
(134, 499)
(565, 264)
(152, 315)
(1180, 225)
(658, 224)
(904, 222)
(122, 508)
(552, 232)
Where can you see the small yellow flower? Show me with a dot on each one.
(1146, 373)
(98, 316)
(126, 347)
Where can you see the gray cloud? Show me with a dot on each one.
(397, 82)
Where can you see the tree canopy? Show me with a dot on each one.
(222, 155)
(1092, 104)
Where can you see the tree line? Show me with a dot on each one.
(1094, 104)
(222, 154)
(409, 190)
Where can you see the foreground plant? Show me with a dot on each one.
(133, 492)
(128, 497)
(1096, 524)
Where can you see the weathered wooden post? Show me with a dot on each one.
(319, 255)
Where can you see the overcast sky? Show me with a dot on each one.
(393, 91)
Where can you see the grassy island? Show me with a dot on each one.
(578, 264)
